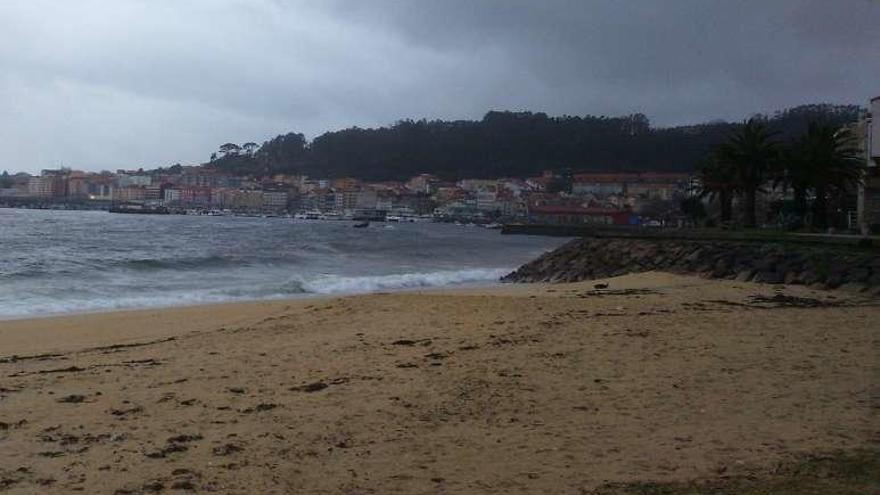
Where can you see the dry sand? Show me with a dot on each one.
(519, 389)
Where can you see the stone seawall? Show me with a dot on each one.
(774, 263)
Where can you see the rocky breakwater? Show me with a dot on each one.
(820, 266)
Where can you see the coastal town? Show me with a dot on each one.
(600, 198)
(844, 197)
(589, 247)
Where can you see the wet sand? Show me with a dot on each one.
(518, 389)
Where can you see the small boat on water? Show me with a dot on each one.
(331, 216)
(139, 209)
(308, 215)
(362, 225)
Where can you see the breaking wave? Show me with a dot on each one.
(73, 262)
(319, 285)
(335, 284)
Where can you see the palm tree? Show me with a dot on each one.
(717, 181)
(826, 161)
(793, 173)
(750, 152)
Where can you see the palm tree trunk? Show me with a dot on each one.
(749, 206)
(800, 204)
(820, 209)
(726, 206)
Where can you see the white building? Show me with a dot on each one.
(869, 190)
(126, 180)
(42, 187)
(275, 200)
(476, 184)
(486, 200)
(172, 196)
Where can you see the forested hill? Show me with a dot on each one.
(502, 144)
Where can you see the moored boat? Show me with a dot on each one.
(139, 209)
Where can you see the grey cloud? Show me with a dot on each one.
(119, 83)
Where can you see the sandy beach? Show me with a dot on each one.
(517, 389)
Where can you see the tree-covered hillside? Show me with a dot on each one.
(503, 144)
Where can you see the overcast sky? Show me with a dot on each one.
(106, 84)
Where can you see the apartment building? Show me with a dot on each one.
(868, 132)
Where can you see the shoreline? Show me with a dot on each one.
(305, 296)
(518, 388)
(150, 322)
(20, 335)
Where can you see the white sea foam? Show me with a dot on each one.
(39, 307)
(334, 284)
(100, 262)
(319, 285)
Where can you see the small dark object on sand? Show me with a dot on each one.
(311, 387)
(170, 449)
(124, 412)
(600, 286)
(408, 342)
(72, 399)
(227, 449)
(69, 369)
(184, 438)
(785, 301)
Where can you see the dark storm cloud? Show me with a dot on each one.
(677, 60)
(112, 83)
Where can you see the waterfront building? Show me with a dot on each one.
(472, 185)
(579, 215)
(100, 187)
(486, 199)
(172, 196)
(538, 184)
(43, 187)
(420, 203)
(186, 197)
(514, 185)
(130, 194)
(599, 184)
(650, 185)
(384, 200)
(868, 202)
(126, 180)
(345, 184)
(654, 190)
(344, 200)
(247, 200)
(77, 185)
(422, 183)
(275, 200)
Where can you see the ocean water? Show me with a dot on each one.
(55, 262)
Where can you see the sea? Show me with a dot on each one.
(56, 262)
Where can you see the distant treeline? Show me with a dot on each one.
(503, 144)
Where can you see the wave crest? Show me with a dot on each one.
(333, 284)
(182, 263)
